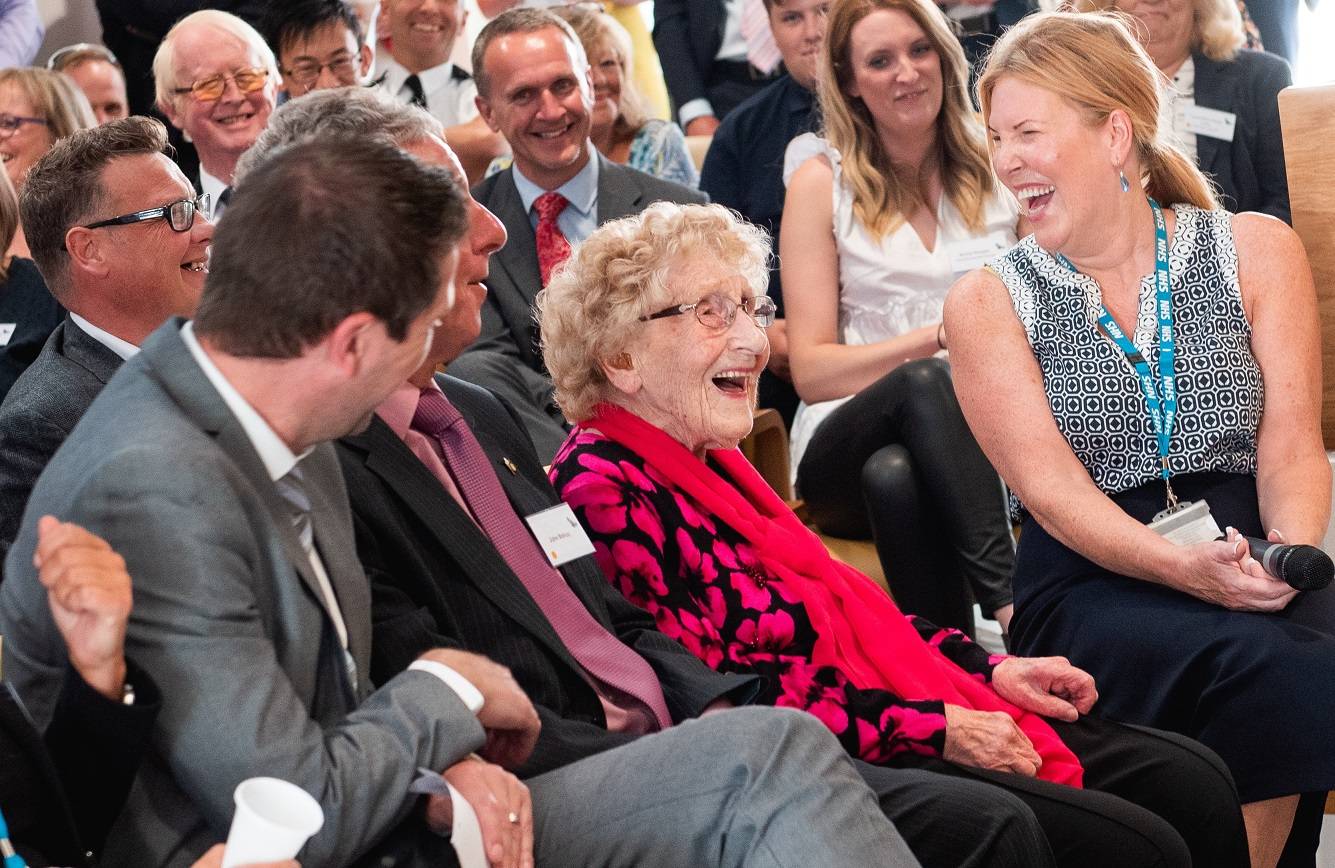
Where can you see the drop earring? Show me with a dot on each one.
(1126, 185)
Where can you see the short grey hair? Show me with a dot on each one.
(521, 20)
(345, 112)
(164, 62)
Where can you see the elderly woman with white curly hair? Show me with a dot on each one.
(654, 333)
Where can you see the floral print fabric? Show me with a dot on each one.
(705, 587)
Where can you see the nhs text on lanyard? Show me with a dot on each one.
(1161, 392)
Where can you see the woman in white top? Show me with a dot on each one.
(881, 217)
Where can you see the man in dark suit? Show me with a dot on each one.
(118, 282)
(534, 88)
(706, 61)
(744, 166)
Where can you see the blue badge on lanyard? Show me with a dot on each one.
(1161, 391)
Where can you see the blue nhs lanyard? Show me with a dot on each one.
(1161, 392)
(8, 858)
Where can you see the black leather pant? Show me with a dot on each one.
(898, 463)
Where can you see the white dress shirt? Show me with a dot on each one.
(122, 348)
(449, 98)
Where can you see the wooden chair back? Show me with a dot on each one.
(1307, 118)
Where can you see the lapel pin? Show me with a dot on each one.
(510, 466)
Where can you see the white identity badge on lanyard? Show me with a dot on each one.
(1183, 523)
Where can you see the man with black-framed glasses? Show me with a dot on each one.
(217, 82)
(319, 44)
(122, 240)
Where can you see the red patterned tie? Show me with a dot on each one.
(605, 658)
(553, 248)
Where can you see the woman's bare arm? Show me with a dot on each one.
(822, 367)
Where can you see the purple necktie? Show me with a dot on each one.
(604, 657)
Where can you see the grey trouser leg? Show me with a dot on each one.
(757, 787)
(528, 392)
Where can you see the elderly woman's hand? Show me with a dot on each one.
(1049, 686)
(988, 740)
(1224, 573)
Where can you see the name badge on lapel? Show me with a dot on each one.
(560, 534)
(7, 332)
(1210, 122)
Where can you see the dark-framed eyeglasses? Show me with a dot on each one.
(180, 215)
(716, 311)
(10, 124)
(208, 89)
(306, 73)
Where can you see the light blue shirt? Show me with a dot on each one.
(21, 32)
(580, 217)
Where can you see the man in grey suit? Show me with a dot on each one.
(534, 88)
(118, 281)
(204, 463)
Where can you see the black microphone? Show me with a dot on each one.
(1306, 568)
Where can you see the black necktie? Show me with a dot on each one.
(224, 199)
(414, 84)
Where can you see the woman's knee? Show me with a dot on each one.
(923, 376)
(887, 476)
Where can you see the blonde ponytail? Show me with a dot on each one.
(1171, 178)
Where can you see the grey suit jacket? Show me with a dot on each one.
(40, 411)
(228, 621)
(507, 315)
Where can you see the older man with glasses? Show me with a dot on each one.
(122, 241)
(217, 82)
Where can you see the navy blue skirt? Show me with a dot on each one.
(1259, 689)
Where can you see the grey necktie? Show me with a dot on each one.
(292, 486)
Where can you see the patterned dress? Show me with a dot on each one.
(706, 588)
(1258, 689)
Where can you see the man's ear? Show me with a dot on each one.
(367, 57)
(621, 373)
(348, 348)
(168, 110)
(87, 251)
(484, 109)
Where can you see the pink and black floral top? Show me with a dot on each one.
(706, 588)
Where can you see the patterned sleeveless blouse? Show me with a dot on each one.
(1092, 389)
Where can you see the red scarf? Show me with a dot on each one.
(859, 629)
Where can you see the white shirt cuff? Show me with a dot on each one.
(696, 108)
(469, 694)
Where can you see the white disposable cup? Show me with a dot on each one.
(273, 819)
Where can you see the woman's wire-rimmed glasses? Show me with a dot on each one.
(716, 311)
